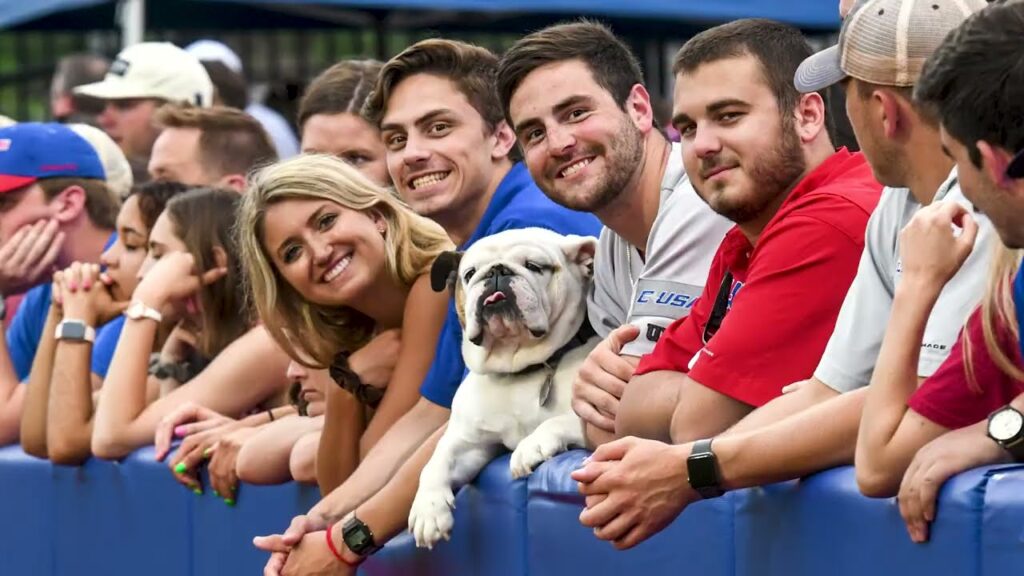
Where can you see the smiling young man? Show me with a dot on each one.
(574, 94)
(448, 153)
(757, 152)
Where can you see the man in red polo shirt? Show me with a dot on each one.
(758, 152)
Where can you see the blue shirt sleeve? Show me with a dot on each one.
(26, 329)
(447, 369)
(106, 343)
(1018, 304)
(563, 221)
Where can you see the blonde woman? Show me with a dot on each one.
(334, 261)
(983, 370)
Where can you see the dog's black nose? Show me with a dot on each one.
(499, 270)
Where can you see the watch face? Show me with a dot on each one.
(74, 331)
(1005, 424)
(701, 468)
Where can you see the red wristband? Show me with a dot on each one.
(334, 550)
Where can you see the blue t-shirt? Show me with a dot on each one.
(517, 203)
(26, 331)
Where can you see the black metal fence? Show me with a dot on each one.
(279, 61)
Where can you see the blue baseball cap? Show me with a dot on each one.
(30, 151)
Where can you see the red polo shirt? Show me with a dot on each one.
(786, 291)
(951, 399)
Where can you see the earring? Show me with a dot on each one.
(381, 228)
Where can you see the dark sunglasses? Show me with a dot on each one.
(1016, 168)
(720, 309)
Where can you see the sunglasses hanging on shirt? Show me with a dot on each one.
(721, 308)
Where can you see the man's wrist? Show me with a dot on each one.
(338, 547)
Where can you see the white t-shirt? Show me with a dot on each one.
(653, 291)
(853, 349)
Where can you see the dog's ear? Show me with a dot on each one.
(580, 250)
(445, 270)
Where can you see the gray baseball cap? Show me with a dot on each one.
(885, 42)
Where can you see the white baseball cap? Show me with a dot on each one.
(212, 50)
(154, 70)
(885, 42)
(119, 173)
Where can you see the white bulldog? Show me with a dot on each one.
(521, 297)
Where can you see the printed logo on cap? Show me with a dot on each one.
(119, 67)
(5, 144)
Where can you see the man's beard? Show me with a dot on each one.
(772, 174)
(622, 161)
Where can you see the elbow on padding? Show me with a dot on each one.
(877, 484)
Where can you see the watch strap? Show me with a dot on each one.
(334, 549)
(138, 311)
(75, 330)
(702, 467)
(1014, 445)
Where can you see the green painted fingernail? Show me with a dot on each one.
(229, 501)
(197, 491)
(180, 468)
(217, 494)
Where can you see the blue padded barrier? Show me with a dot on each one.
(699, 542)
(131, 517)
(221, 537)
(489, 536)
(823, 525)
(26, 514)
(114, 514)
(1002, 526)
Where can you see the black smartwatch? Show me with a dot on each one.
(1006, 427)
(358, 537)
(702, 466)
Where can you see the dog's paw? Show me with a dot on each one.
(430, 518)
(532, 452)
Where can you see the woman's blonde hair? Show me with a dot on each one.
(313, 334)
(998, 317)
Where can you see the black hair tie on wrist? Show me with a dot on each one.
(349, 381)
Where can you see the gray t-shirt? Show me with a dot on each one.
(654, 291)
(853, 349)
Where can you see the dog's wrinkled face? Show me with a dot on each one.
(521, 296)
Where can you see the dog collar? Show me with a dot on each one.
(586, 332)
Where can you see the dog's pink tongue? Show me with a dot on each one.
(496, 297)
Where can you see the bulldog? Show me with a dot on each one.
(521, 297)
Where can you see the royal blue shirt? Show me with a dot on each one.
(26, 331)
(1018, 304)
(517, 203)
